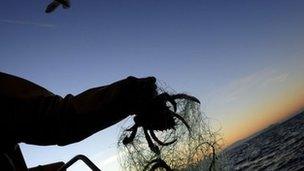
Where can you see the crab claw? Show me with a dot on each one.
(166, 97)
(185, 96)
(160, 142)
(152, 146)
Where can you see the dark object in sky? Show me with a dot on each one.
(53, 5)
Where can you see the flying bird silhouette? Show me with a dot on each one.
(53, 5)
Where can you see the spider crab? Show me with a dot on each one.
(158, 116)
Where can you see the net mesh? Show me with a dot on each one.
(199, 143)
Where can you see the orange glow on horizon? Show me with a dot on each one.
(263, 115)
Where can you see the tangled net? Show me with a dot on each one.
(183, 146)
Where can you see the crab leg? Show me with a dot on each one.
(152, 146)
(166, 97)
(158, 141)
(182, 119)
(153, 161)
(159, 163)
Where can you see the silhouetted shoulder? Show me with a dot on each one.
(16, 87)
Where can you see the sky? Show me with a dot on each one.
(243, 59)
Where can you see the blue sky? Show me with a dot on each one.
(243, 59)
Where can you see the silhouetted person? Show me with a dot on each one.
(33, 115)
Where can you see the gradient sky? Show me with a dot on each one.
(243, 59)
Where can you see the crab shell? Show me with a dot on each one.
(159, 121)
(158, 116)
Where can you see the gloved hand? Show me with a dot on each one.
(126, 97)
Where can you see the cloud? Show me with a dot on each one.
(276, 79)
(257, 80)
(19, 22)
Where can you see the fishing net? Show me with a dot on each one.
(187, 147)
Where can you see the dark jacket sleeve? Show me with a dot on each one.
(32, 114)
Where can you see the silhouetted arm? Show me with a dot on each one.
(34, 115)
